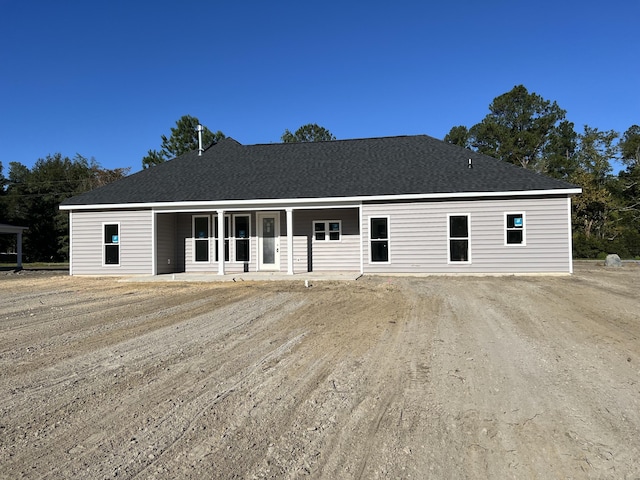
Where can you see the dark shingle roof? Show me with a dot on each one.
(341, 168)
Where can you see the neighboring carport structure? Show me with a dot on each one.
(12, 229)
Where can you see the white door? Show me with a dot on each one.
(268, 240)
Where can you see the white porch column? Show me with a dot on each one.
(361, 240)
(19, 249)
(220, 242)
(289, 241)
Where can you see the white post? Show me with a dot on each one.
(290, 241)
(570, 235)
(19, 248)
(220, 242)
(361, 240)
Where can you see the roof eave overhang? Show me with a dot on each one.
(311, 202)
(12, 229)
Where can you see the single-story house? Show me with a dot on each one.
(5, 228)
(406, 204)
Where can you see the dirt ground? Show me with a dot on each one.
(383, 377)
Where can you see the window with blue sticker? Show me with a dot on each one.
(514, 229)
(111, 244)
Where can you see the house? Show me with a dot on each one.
(407, 204)
(18, 232)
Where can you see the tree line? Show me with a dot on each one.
(527, 130)
(184, 138)
(30, 197)
(521, 128)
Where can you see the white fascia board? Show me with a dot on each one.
(312, 202)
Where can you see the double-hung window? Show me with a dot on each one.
(379, 239)
(201, 233)
(241, 234)
(459, 240)
(514, 232)
(111, 243)
(327, 230)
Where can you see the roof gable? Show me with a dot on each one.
(230, 171)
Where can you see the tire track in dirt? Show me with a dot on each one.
(98, 371)
(114, 323)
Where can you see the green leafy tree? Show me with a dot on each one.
(153, 157)
(460, 136)
(630, 147)
(560, 160)
(33, 196)
(629, 188)
(594, 209)
(310, 132)
(518, 128)
(183, 139)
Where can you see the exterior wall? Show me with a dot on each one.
(135, 243)
(417, 239)
(418, 236)
(300, 249)
(166, 243)
(341, 255)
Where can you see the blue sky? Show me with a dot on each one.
(106, 78)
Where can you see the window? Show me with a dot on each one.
(327, 230)
(379, 233)
(514, 229)
(241, 234)
(226, 237)
(458, 235)
(111, 243)
(201, 239)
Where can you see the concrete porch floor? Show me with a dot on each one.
(246, 277)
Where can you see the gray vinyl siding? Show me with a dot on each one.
(418, 236)
(343, 255)
(136, 242)
(166, 243)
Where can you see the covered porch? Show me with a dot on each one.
(18, 232)
(269, 240)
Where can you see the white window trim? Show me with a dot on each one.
(104, 244)
(194, 239)
(326, 230)
(232, 239)
(524, 229)
(388, 218)
(468, 237)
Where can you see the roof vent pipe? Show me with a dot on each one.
(199, 129)
(470, 164)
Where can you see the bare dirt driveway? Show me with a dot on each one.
(436, 377)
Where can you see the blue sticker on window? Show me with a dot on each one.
(114, 238)
(517, 222)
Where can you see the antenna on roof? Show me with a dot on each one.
(470, 164)
(199, 129)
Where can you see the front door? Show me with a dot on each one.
(268, 240)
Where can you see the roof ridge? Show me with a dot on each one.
(391, 137)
